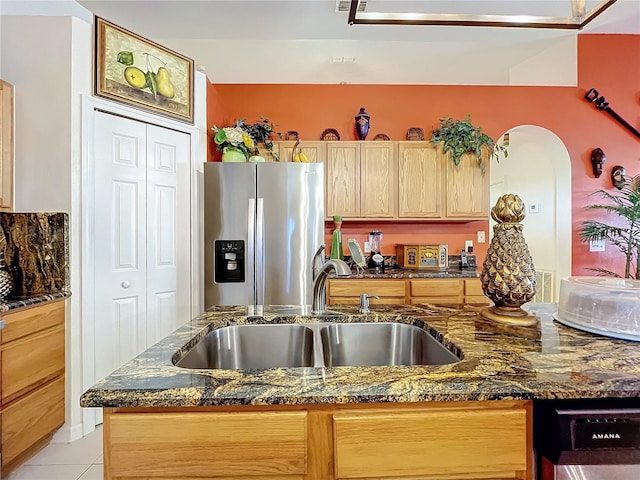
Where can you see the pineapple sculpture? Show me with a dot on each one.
(508, 275)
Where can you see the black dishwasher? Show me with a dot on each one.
(591, 444)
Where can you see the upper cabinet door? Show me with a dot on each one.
(343, 179)
(378, 180)
(314, 150)
(467, 192)
(419, 181)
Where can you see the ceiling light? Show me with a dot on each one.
(580, 18)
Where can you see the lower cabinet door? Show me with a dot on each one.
(438, 443)
(31, 418)
(206, 445)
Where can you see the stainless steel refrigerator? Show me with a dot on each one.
(263, 222)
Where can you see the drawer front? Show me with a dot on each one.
(31, 361)
(434, 443)
(32, 418)
(372, 301)
(432, 287)
(477, 300)
(353, 288)
(32, 319)
(203, 444)
(437, 300)
(473, 287)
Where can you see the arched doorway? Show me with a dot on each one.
(538, 170)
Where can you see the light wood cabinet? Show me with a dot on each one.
(473, 294)
(398, 181)
(206, 444)
(347, 291)
(342, 173)
(419, 181)
(315, 151)
(6, 146)
(361, 180)
(378, 182)
(32, 363)
(439, 291)
(431, 440)
(467, 188)
(410, 291)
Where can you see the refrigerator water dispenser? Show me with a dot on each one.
(229, 261)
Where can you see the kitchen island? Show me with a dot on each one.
(470, 419)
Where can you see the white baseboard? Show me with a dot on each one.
(67, 434)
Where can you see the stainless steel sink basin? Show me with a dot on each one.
(252, 347)
(316, 345)
(371, 344)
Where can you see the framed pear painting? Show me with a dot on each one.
(133, 70)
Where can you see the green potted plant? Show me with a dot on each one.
(234, 142)
(460, 136)
(625, 233)
(262, 132)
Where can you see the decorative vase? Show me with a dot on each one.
(508, 275)
(336, 241)
(6, 282)
(232, 155)
(256, 159)
(362, 124)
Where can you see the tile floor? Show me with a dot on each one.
(79, 460)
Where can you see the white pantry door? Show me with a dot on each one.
(168, 232)
(142, 237)
(120, 232)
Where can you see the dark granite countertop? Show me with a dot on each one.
(565, 364)
(13, 303)
(416, 273)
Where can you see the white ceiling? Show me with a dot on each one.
(293, 41)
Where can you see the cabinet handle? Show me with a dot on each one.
(125, 284)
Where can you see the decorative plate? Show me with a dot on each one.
(291, 135)
(330, 134)
(415, 133)
(381, 136)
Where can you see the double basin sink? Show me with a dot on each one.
(247, 347)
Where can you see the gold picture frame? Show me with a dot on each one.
(132, 70)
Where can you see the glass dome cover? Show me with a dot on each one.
(602, 305)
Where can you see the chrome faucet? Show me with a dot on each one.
(318, 261)
(319, 283)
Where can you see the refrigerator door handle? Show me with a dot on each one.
(260, 270)
(251, 239)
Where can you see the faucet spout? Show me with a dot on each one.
(319, 284)
(318, 261)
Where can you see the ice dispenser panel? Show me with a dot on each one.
(228, 261)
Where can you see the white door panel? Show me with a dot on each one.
(168, 256)
(120, 239)
(129, 329)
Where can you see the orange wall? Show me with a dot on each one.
(609, 63)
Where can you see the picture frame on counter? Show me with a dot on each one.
(135, 71)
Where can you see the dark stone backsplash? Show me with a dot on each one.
(390, 261)
(37, 252)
